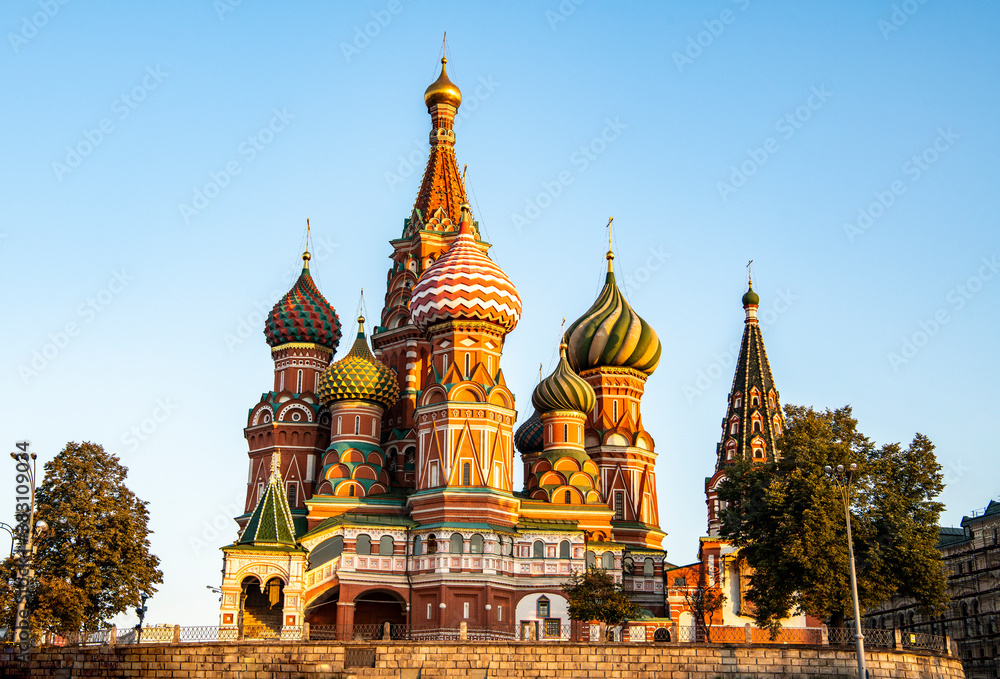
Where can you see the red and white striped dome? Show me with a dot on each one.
(465, 284)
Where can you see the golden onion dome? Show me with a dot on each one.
(443, 90)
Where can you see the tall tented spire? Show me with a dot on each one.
(271, 522)
(753, 420)
(441, 186)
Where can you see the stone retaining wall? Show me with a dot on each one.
(474, 660)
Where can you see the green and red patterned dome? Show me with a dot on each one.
(563, 390)
(611, 334)
(303, 315)
(359, 376)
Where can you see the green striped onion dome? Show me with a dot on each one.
(528, 437)
(611, 334)
(359, 376)
(303, 315)
(563, 390)
(751, 297)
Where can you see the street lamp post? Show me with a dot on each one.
(9, 529)
(140, 612)
(843, 478)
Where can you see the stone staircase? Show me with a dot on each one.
(262, 625)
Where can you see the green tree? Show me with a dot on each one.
(787, 518)
(593, 595)
(94, 561)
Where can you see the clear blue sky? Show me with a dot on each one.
(717, 132)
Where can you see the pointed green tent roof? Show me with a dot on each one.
(271, 522)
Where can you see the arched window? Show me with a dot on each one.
(538, 550)
(614, 411)
(457, 543)
(542, 607)
(647, 567)
(564, 548)
(350, 490)
(432, 544)
(468, 364)
(363, 545)
(298, 383)
(291, 493)
(357, 424)
(417, 546)
(734, 426)
(338, 425)
(476, 544)
(466, 472)
(565, 432)
(607, 561)
(386, 546)
(591, 559)
(567, 497)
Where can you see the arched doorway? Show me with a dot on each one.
(374, 608)
(261, 608)
(322, 611)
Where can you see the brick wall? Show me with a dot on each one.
(473, 660)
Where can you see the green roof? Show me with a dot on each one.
(349, 519)
(547, 524)
(271, 522)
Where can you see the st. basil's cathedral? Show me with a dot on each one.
(381, 485)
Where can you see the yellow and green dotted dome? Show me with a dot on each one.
(359, 376)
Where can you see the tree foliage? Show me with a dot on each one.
(788, 520)
(94, 561)
(594, 595)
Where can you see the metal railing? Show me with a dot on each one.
(930, 642)
(631, 633)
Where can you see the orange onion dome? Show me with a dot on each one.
(465, 284)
